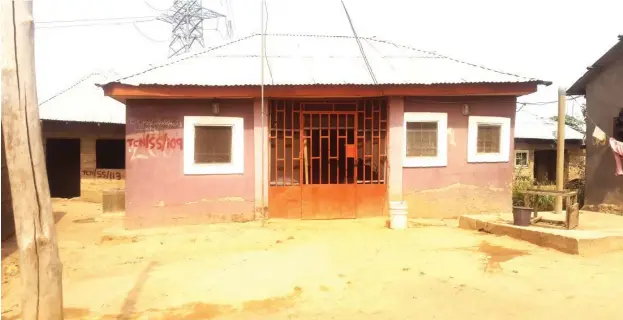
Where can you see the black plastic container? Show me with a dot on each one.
(521, 216)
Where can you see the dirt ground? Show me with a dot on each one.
(354, 269)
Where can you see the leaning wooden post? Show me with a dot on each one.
(40, 266)
(560, 148)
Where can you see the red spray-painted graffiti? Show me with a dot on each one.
(153, 145)
(154, 138)
(156, 142)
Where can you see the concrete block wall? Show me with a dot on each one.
(93, 181)
(575, 159)
(577, 163)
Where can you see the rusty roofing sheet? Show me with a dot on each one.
(315, 60)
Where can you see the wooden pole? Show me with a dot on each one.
(560, 148)
(262, 57)
(40, 266)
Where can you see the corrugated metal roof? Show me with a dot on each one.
(615, 53)
(530, 126)
(84, 102)
(315, 60)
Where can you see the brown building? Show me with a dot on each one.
(536, 149)
(602, 85)
(83, 135)
(337, 136)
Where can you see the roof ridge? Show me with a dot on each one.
(81, 80)
(434, 53)
(169, 62)
(449, 58)
(174, 61)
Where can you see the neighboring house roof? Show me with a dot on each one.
(530, 126)
(316, 60)
(84, 102)
(615, 53)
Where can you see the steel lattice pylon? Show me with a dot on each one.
(186, 17)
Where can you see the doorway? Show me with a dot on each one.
(62, 160)
(328, 162)
(545, 167)
(328, 159)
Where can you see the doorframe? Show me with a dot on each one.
(373, 152)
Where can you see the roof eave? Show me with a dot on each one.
(122, 92)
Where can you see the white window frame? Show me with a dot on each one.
(441, 159)
(472, 139)
(236, 166)
(527, 152)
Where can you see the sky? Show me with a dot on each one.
(546, 39)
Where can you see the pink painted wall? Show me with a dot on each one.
(461, 187)
(157, 191)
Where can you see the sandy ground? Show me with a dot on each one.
(354, 269)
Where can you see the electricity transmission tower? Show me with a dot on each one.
(186, 17)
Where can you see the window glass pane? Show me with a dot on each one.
(213, 144)
(521, 159)
(488, 138)
(421, 139)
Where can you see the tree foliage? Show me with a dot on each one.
(577, 123)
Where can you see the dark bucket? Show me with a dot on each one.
(521, 216)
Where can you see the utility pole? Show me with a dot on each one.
(40, 266)
(186, 17)
(262, 107)
(560, 155)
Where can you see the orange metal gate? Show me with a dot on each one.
(328, 162)
(328, 159)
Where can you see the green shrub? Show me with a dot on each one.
(521, 184)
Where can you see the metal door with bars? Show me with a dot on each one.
(328, 162)
(328, 159)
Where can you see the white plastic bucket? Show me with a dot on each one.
(397, 215)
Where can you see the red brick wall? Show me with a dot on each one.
(158, 192)
(461, 187)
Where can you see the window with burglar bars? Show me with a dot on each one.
(213, 144)
(488, 138)
(521, 158)
(422, 139)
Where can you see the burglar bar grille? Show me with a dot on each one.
(328, 142)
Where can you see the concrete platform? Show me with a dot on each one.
(597, 232)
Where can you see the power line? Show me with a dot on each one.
(93, 24)
(154, 8)
(521, 107)
(270, 71)
(145, 35)
(540, 103)
(96, 19)
(363, 53)
(546, 102)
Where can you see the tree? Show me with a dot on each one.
(577, 123)
(40, 266)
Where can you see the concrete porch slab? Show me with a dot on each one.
(597, 233)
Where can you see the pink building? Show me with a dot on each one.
(333, 140)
